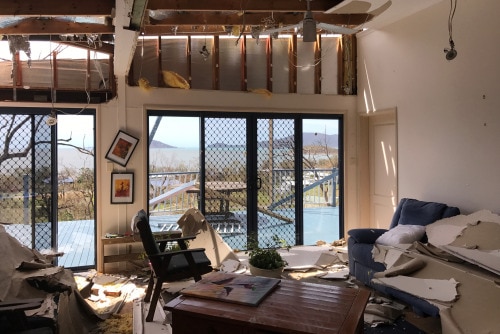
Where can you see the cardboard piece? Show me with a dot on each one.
(193, 222)
(309, 257)
(430, 289)
(474, 238)
(73, 313)
(475, 309)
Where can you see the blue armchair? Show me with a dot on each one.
(360, 244)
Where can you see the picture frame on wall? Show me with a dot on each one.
(122, 148)
(122, 188)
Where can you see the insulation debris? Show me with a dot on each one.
(144, 84)
(262, 91)
(174, 80)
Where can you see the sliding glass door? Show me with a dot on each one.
(245, 178)
(47, 186)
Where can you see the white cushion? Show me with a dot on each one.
(401, 234)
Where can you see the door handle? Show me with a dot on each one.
(259, 183)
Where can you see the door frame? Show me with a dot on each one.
(377, 205)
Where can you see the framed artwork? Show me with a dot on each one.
(122, 148)
(122, 188)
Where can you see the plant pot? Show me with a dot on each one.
(272, 273)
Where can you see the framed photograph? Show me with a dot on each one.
(122, 148)
(122, 188)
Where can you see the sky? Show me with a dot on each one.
(42, 50)
(177, 131)
(79, 128)
(183, 131)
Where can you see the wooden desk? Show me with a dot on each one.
(159, 236)
(294, 307)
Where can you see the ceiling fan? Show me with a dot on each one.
(310, 26)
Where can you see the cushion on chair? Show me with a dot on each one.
(179, 263)
(401, 234)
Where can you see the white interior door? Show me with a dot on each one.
(383, 168)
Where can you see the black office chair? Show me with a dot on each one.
(169, 266)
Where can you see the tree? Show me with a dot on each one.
(18, 137)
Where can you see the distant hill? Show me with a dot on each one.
(309, 138)
(159, 144)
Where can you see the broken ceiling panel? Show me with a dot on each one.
(445, 231)
(431, 289)
(474, 238)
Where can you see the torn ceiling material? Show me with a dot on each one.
(475, 238)
(471, 299)
(63, 302)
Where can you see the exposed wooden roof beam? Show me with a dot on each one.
(57, 8)
(202, 18)
(38, 26)
(238, 5)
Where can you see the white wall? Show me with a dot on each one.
(128, 112)
(448, 111)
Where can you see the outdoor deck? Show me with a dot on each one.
(77, 239)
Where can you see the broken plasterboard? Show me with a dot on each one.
(309, 257)
(430, 289)
(474, 238)
(217, 250)
(445, 231)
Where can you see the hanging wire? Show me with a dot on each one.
(453, 8)
(451, 53)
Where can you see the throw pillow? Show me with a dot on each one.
(401, 234)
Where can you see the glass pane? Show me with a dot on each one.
(320, 180)
(226, 178)
(24, 191)
(173, 169)
(276, 180)
(76, 186)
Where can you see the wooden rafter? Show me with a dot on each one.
(49, 26)
(174, 17)
(57, 8)
(228, 18)
(238, 5)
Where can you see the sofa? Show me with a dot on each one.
(409, 213)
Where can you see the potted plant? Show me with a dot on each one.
(266, 261)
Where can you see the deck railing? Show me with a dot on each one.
(173, 192)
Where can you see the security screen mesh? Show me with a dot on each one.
(25, 186)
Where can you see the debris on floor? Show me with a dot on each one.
(380, 310)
